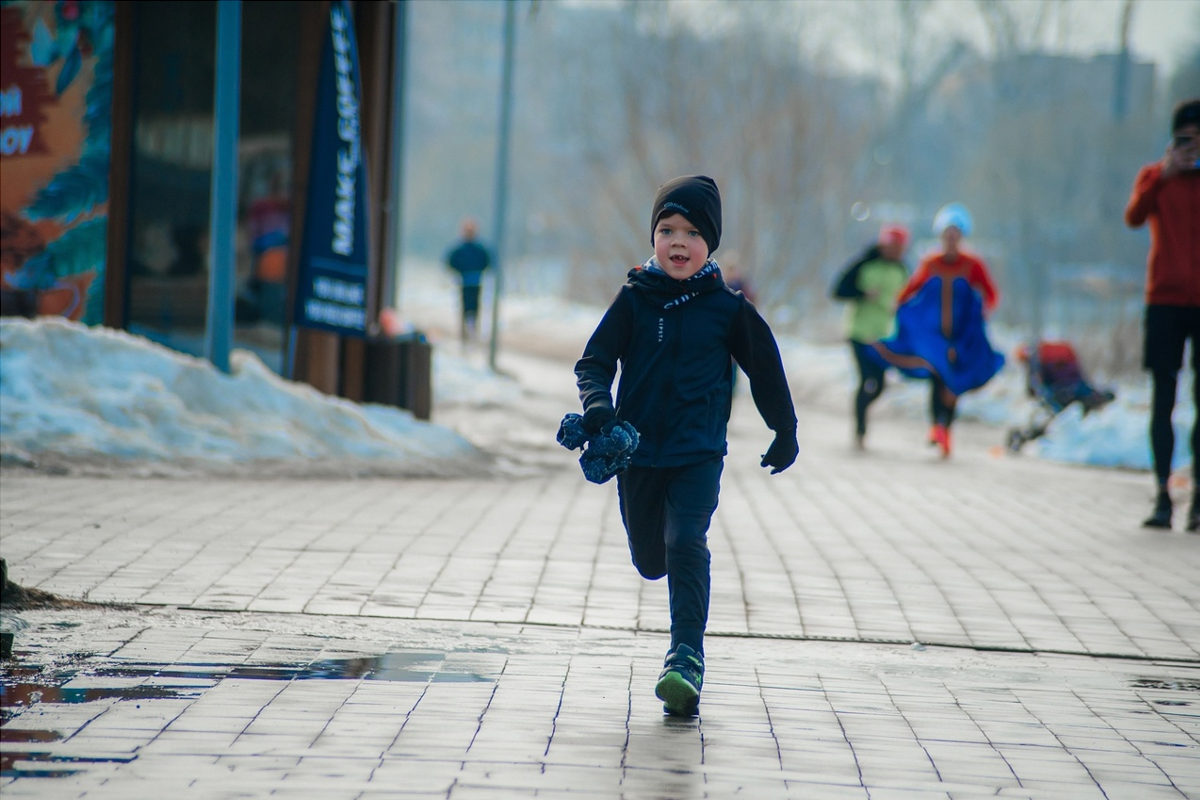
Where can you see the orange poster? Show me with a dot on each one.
(55, 133)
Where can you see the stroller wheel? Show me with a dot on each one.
(1015, 440)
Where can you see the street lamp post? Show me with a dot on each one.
(502, 148)
(222, 221)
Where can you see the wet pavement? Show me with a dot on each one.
(884, 625)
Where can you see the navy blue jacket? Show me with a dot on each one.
(469, 259)
(673, 341)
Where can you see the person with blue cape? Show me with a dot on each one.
(941, 330)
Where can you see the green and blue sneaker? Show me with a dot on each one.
(679, 684)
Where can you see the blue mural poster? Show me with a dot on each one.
(56, 60)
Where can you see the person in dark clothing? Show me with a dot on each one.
(674, 331)
(870, 286)
(469, 259)
(1166, 194)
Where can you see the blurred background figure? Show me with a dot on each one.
(1054, 379)
(469, 259)
(735, 279)
(940, 324)
(871, 285)
(269, 222)
(1166, 194)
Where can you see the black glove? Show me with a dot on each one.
(782, 452)
(597, 417)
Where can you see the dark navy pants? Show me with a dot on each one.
(667, 511)
(870, 384)
(1167, 329)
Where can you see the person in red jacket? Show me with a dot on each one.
(940, 329)
(1166, 194)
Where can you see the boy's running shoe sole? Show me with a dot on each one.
(680, 681)
(680, 698)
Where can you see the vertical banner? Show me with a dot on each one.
(331, 288)
(56, 80)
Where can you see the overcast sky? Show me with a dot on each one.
(858, 33)
(1163, 31)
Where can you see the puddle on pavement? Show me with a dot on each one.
(1181, 685)
(1159, 685)
(22, 688)
(1156, 684)
(23, 764)
(412, 666)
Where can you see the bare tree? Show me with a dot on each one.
(780, 139)
(1050, 171)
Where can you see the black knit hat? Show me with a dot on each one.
(697, 199)
(1187, 112)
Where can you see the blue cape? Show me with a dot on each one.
(941, 334)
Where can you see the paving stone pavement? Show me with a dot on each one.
(488, 637)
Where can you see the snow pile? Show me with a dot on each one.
(74, 392)
(1116, 435)
(465, 379)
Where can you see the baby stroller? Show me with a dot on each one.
(1055, 379)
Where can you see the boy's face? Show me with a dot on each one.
(679, 247)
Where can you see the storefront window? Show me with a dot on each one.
(270, 41)
(172, 172)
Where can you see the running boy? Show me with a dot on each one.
(674, 329)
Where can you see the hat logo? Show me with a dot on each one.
(672, 204)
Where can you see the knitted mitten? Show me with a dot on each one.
(571, 434)
(609, 453)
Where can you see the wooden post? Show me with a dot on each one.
(116, 271)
